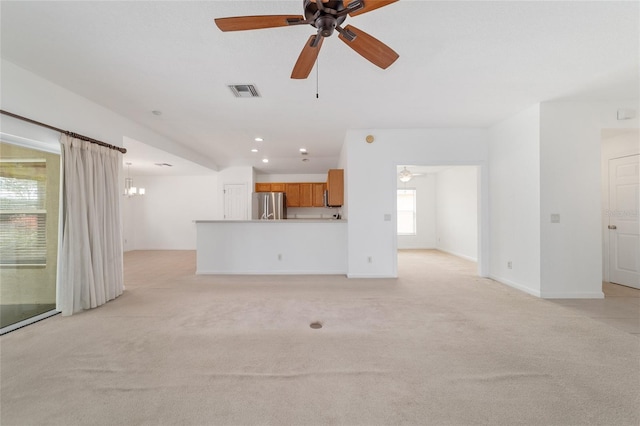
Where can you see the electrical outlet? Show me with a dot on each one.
(279, 256)
(370, 259)
(509, 265)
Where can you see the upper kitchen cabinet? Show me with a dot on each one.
(335, 187)
(278, 187)
(317, 194)
(263, 187)
(270, 187)
(293, 194)
(306, 195)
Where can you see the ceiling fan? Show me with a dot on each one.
(406, 175)
(326, 16)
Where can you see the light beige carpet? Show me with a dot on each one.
(438, 346)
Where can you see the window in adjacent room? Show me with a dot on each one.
(406, 211)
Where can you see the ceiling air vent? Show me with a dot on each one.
(244, 90)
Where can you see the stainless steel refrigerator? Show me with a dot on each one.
(269, 206)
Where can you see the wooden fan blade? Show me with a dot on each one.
(369, 5)
(307, 58)
(370, 48)
(241, 23)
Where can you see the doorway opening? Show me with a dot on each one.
(235, 201)
(438, 208)
(621, 205)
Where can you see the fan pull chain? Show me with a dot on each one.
(317, 77)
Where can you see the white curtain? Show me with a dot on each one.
(91, 263)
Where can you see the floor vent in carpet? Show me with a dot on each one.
(315, 325)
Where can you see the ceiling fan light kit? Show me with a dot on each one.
(405, 175)
(326, 16)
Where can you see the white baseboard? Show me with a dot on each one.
(549, 294)
(576, 295)
(463, 256)
(370, 276)
(516, 285)
(275, 272)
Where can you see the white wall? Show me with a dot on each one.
(570, 160)
(344, 164)
(457, 211)
(130, 223)
(163, 219)
(514, 176)
(614, 145)
(371, 187)
(425, 238)
(31, 96)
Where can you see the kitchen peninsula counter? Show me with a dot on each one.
(288, 246)
(311, 220)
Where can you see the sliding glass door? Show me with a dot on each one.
(29, 216)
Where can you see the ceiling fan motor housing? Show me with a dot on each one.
(325, 22)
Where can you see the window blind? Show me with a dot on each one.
(23, 216)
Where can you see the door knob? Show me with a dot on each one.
(613, 227)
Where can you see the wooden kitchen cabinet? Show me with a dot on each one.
(299, 194)
(317, 194)
(306, 195)
(293, 194)
(278, 187)
(263, 187)
(270, 187)
(335, 187)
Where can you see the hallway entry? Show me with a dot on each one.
(438, 208)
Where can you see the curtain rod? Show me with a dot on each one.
(66, 132)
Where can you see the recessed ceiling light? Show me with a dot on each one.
(254, 150)
(258, 139)
(303, 149)
(156, 112)
(265, 160)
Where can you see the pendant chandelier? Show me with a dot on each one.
(129, 189)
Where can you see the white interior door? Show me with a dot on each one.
(624, 227)
(235, 201)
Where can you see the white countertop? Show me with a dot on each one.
(275, 221)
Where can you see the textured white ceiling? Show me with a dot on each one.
(468, 64)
